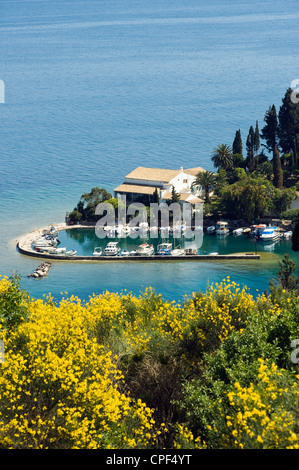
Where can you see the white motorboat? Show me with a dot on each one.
(287, 234)
(44, 242)
(57, 251)
(269, 234)
(111, 249)
(145, 250)
(65, 253)
(70, 253)
(51, 231)
(222, 228)
(45, 247)
(125, 252)
(238, 231)
(164, 249)
(97, 251)
(211, 229)
(178, 252)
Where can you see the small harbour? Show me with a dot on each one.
(63, 242)
(174, 279)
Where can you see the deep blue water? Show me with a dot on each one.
(95, 88)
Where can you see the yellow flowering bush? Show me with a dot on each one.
(60, 388)
(265, 415)
(125, 372)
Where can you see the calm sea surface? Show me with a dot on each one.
(95, 88)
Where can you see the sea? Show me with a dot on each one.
(89, 90)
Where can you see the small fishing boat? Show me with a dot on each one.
(44, 242)
(51, 231)
(45, 247)
(164, 249)
(70, 253)
(191, 252)
(111, 249)
(259, 230)
(238, 231)
(178, 252)
(269, 234)
(56, 251)
(221, 228)
(125, 252)
(97, 251)
(145, 250)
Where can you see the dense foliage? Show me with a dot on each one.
(248, 181)
(121, 371)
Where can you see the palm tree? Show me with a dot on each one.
(205, 179)
(222, 157)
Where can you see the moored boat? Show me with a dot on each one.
(56, 251)
(238, 231)
(190, 251)
(145, 250)
(70, 253)
(97, 251)
(269, 234)
(259, 230)
(178, 252)
(222, 228)
(164, 249)
(111, 249)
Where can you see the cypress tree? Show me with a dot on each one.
(175, 197)
(288, 128)
(269, 132)
(277, 170)
(237, 144)
(257, 141)
(250, 149)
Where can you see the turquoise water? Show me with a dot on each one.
(95, 88)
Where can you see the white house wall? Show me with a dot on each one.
(159, 184)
